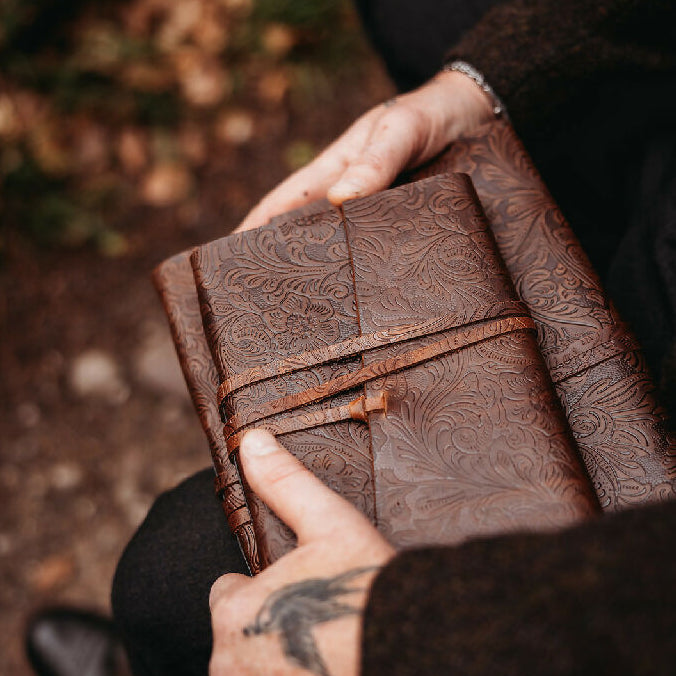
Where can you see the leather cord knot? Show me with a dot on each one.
(362, 406)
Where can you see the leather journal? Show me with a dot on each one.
(404, 363)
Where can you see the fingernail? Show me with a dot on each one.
(258, 442)
(347, 188)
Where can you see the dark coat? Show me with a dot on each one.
(590, 87)
(599, 599)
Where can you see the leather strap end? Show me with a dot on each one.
(362, 406)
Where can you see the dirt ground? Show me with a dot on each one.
(95, 417)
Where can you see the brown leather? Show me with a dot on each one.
(456, 340)
(594, 360)
(472, 441)
(347, 348)
(176, 285)
(600, 377)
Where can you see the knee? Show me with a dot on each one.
(160, 591)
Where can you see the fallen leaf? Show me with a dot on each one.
(278, 39)
(10, 122)
(203, 80)
(193, 145)
(112, 244)
(132, 150)
(48, 147)
(211, 31)
(272, 87)
(235, 127)
(166, 184)
(52, 572)
(146, 77)
(242, 7)
(178, 24)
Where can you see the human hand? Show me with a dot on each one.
(399, 134)
(303, 613)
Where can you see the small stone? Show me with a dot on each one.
(95, 373)
(171, 414)
(235, 127)
(90, 146)
(85, 508)
(157, 365)
(6, 544)
(10, 476)
(28, 414)
(66, 476)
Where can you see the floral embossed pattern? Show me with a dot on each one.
(406, 256)
(600, 377)
(473, 441)
(273, 293)
(301, 324)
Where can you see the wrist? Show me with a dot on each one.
(475, 77)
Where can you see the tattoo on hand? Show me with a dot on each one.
(390, 102)
(294, 609)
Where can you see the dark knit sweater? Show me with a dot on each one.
(599, 599)
(548, 58)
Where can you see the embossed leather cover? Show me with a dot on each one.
(473, 439)
(176, 285)
(595, 363)
(600, 376)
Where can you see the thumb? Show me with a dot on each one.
(394, 140)
(297, 496)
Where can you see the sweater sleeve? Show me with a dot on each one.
(539, 55)
(600, 598)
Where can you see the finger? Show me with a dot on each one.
(300, 499)
(307, 185)
(394, 142)
(312, 181)
(225, 586)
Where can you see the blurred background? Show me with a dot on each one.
(130, 130)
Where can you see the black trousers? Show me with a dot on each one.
(161, 587)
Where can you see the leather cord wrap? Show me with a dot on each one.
(461, 337)
(355, 410)
(609, 342)
(351, 347)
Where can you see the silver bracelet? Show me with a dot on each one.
(477, 76)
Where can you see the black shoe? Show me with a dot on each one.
(68, 642)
